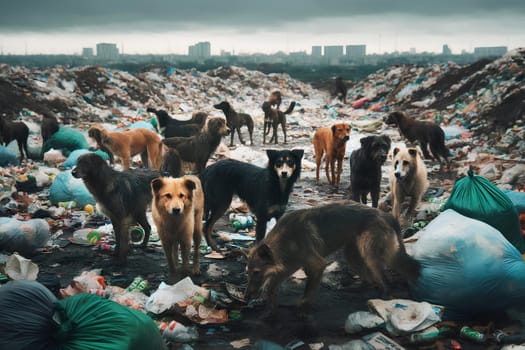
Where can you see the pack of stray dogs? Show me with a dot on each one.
(186, 207)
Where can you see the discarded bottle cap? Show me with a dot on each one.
(93, 237)
(136, 234)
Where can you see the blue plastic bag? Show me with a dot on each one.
(66, 188)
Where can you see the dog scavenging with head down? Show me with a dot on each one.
(365, 168)
(122, 196)
(171, 127)
(331, 142)
(304, 237)
(265, 190)
(198, 149)
(426, 133)
(236, 120)
(177, 209)
(273, 117)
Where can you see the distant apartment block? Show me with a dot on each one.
(200, 50)
(494, 51)
(333, 54)
(446, 50)
(106, 51)
(356, 53)
(87, 52)
(317, 51)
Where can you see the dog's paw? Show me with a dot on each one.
(196, 271)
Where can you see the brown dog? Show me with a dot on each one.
(408, 178)
(198, 149)
(273, 117)
(129, 143)
(275, 99)
(427, 133)
(331, 141)
(177, 210)
(369, 237)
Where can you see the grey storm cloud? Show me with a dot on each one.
(160, 15)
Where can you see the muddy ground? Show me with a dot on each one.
(340, 294)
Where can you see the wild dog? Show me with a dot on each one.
(369, 237)
(10, 130)
(171, 127)
(340, 89)
(265, 190)
(121, 195)
(177, 210)
(331, 141)
(171, 163)
(127, 144)
(198, 149)
(365, 168)
(273, 118)
(408, 178)
(427, 133)
(275, 99)
(236, 120)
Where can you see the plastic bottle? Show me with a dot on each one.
(136, 234)
(177, 332)
(430, 336)
(239, 222)
(504, 338)
(472, 334)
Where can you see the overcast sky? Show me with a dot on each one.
(249, 26)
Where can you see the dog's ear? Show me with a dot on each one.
(298, 153)
(395, 151)
(190, 184)
(333, 129)
(412, 152)
(271, 153)
(265, 253)
(387, 140)
(156, 184)
(365, 141)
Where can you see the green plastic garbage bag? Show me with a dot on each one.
(88, 321)
(67, 140)
(476, 197)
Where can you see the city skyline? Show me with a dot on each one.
(166, 27)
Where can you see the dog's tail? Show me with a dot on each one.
(151, 110)
(290, 108)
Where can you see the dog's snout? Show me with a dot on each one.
(175, 211)
(346, 138)
(284, 174)
(397, 174)
(228, 131)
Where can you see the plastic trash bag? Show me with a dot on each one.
(478, 198)
(20, 268)
(67, 188)
(168, 295)
(72, 159)
(468, 267)
(67, 140)
(8, 157)
(26, 318)
(24, 237)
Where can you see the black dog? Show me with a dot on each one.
(340, 89)
(123, 196)
(198, 149)
(365, 168)
(18, 131)
(172, 127)
(49, 126)
(236, 120)
(426, 133)
(265, 190)
(273, 117)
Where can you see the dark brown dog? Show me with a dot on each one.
(427, 133)
(198, 149)
(171, 164)
(275, 99)
(273, 117)
(235, 121)
(177, 209)
(49, 126)
(122, 195)
(365, 168)
(369, 237)
(10, 130)
(171, 127)
(331, 141)
(340, 89)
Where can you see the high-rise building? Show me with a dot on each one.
(494, 51)
(200, 50)
(106, 51)
(356, 52)
(333, 54)
(317, 51)
(446, 50)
